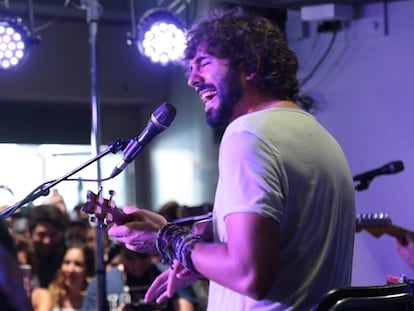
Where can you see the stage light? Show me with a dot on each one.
(14, 42)
(161, 36)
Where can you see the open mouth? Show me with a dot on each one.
(207, 96)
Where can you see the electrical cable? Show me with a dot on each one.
(334, 64)
(314, 43)
(320, 61)
(51, 21)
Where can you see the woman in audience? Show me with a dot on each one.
(71, 280)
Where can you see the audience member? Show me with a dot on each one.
(127, 283)
(57, 199)
(40, 297)
(47, 225)
(78, 214)
(170, 210)
(18, 223)
(69, 285)
(75, 232)
(91, 241)
(114, 256)
(25, 251)
(13, 296)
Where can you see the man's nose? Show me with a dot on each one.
(194, 79)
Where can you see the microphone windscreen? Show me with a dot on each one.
(165, 114)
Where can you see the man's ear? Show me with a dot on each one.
(252, 69)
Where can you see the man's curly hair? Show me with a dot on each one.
(252, 44)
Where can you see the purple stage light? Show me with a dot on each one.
(161, 36)
(13, 43)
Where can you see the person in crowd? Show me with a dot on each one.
(75, 232)
(170, 210)
(78, 214)
(91, 241)
(69, 285)
(57, 199)
(114, 256)
(127, 283)
(284, 214)
(47, 225)
(40, 298)
(13, 295)
(25, 250)
(18, 222)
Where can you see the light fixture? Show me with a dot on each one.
(160, 36)
(15, 39)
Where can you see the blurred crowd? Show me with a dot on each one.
(56, 253)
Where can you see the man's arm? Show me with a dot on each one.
(247, 263)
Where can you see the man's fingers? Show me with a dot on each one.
(157, 288)
(172, 280)
(143, 214)
(153, 217)
(410, 238)
(142, 226)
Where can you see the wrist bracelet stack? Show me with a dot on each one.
(176, 242)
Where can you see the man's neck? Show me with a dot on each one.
(274, 104)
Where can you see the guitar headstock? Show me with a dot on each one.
(375, 223)
(378, 224)
(102, 209)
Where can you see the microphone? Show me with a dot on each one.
(387, 169)
(160, 119)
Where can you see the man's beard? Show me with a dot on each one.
(229, 92)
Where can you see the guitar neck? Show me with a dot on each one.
(399, 233)
(392, 230)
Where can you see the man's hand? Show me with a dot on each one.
(168, 282)
(406, 252)
(139, 229)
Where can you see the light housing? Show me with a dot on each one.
(15, 39)
(161, 36)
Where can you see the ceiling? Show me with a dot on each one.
(120, 10)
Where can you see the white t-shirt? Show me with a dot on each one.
(282, 163)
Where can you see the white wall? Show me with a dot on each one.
(365, 100)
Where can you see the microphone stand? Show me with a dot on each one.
(93, 8)
(44, 189)
(363, 184)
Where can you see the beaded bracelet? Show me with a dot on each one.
(175, 242)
